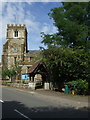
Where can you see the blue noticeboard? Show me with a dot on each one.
(24, 76)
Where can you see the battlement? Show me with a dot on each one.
(16, 26)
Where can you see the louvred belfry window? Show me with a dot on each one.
(15, 33)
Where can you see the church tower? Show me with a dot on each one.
(15, 46)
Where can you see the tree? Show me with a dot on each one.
(68, 51)
(65, 65)
(73, 23)
(9, 72)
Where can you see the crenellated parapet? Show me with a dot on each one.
(16, 26)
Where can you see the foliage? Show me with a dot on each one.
(6, 82)
(18, 69)
(24, 82)
(79, 86)
(65, 65)
(15, 70)
(9, 72)
(72, 21)
(38, 83)
(67, 56)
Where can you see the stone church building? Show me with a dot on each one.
(15, 50)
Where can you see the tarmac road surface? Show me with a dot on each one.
(21, 104)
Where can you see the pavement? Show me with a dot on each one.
(77, 101)
(42, 104)
(81, 98)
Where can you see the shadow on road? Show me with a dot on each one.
(8, 112)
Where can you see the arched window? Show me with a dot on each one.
(15, 33)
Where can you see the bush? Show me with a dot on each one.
(79, 86)
(24, 82)
(6, 82)
(82, 87)
(38, 83)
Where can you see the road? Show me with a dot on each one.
(21, 104)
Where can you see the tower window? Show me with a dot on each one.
(15, 60)
(15, 33)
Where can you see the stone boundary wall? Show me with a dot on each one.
(16, 85)
(31, 86)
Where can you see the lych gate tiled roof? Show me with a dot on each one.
(34, 67)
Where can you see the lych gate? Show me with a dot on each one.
(38, 72)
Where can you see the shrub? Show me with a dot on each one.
(79, 86)
(38, 83)
(82, 87)
(24, 82)
(6, 82)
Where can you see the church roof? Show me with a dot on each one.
(33, 52)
